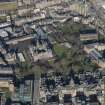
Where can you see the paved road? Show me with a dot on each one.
(36, 92)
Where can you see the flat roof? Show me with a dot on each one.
(21, 57)
(3, 33)
(6, 70)
(88, 31)
(103, 5)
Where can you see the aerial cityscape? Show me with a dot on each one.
(52, 52)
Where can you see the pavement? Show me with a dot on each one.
(36, 92)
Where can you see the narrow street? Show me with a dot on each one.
(36, 91)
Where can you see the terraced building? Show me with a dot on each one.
(7, 7)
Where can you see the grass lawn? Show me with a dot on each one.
(60, 50)
(51, 61)
(8, 5)
(2, 18)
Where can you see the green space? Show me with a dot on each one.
(73, 58)
(3, 18)
(65, 59)
(70, 27)
(25, 68)
(60, 50)
(101, 37)
(7, 92)
(8, 6)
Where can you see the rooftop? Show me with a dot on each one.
(88, 31)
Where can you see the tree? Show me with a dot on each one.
(25, 68)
